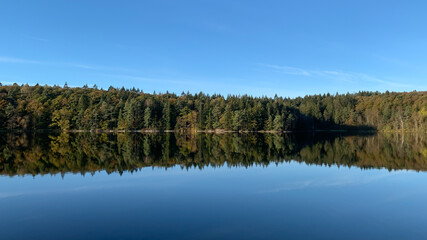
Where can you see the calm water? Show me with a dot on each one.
(108, 186)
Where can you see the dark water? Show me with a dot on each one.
(166, 186)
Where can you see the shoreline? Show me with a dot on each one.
(216, 131)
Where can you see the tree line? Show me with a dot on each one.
(25, 107)
(87, 153)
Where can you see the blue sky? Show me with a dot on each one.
(291, 48)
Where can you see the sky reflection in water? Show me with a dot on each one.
(211, 199)
(290, 200)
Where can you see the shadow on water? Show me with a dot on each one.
(33, 154)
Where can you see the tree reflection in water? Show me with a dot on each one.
(33, 154)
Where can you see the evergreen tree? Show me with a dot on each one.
(147, 118)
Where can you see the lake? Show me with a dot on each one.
(207, 186)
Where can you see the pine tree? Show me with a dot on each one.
(147, 118)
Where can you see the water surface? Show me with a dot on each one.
(316, 186)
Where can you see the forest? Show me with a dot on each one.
(31, 108)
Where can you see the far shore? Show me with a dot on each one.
(216, 131)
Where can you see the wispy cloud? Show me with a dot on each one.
(288, 69)
(4, 59)
(36, 38)
(126, 75)
(353, 77)
(19, 60)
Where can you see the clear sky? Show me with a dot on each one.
(291, 48)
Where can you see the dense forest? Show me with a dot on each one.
(34, 154)
(24, 107)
